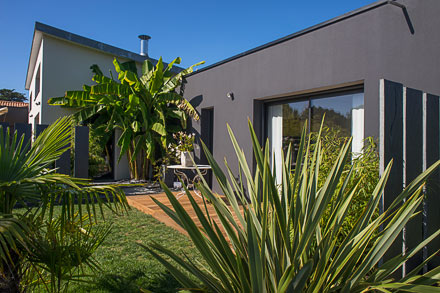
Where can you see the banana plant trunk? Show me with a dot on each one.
(132, 164)
(139, 168)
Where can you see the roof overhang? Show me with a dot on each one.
(36, 43)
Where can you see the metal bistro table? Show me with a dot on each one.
(179, 171)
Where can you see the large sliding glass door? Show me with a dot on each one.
(285, 121)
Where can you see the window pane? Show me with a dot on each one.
(294, 117)
(344, 113)
(37, 82)
(337, 112)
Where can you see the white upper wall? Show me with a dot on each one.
(66, 66)
(33, 98)
(65, 59)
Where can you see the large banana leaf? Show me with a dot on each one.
(144, 108)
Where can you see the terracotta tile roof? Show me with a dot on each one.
(13, 104)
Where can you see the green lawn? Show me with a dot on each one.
(126, 266)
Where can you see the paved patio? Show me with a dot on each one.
(145, 204)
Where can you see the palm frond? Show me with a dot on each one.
(13, 237)
(27, 177)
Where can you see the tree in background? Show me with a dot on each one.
(12, 95)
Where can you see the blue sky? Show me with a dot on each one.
(193, 30)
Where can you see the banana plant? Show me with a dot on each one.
(272, 238)
(147, 109)
(28, 179)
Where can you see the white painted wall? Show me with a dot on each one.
(67, 67)
(36, 109)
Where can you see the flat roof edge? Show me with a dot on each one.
(297, 34)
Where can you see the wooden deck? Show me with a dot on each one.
(145, 204)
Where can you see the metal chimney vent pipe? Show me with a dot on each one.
(144, 44)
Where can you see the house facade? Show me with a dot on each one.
(374, 71)
(334, 67)
(60, 61)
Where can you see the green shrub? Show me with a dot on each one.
(255, 250)
(365, 172)
(97, 153)
(170, 158)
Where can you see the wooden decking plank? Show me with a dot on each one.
(145, 204)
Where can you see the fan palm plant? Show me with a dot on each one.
(28, 179)
(272, 238)
(59, 253)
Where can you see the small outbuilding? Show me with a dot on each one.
(13, 112)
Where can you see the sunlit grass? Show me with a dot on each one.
(126, 266)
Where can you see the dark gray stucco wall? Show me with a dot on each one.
(377, 43)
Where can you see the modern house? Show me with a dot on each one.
(60, 61)
(337, 65)
(375, 71)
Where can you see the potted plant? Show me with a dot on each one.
(185, 146)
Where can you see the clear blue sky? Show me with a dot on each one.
(194, 30)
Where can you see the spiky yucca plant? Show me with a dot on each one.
(279, 243)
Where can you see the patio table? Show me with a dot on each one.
(179, 170)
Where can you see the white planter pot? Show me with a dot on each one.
(185, 159)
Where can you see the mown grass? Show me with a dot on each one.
(126, 266)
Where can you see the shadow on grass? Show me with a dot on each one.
(164, 282)
(118, 283)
